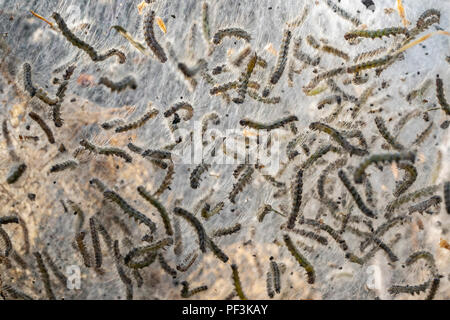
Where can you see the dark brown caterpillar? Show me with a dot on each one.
(15, 173)
(127, 82)
(186, 293)
(165, 266)
(387, 32)
(323, 150)
(282, 57)
(386, 134)
(150, 38)
(304, 263)
(157, 154)
(201, 233)
(98, 183)
(344, 14)
(7, 241)
(187, 263)
(244, 179)
(303, 57)
(335, 51)
(83, 45)
(427, 191)
(237, 282)
(269, 284)
(408, 179)
(44, 276)
(112, 124)
(79, 239)
(255, 96)
(231, 32)
(210, 117)
(112, 151)
(311, 235)
(328, 229)
(138, 123)
(8, 219)
(58, 274)
(424, 205)
(43, 126)
(337, 136)
(130, 211)
(270, 126)
(241, 56)
(195, 177)
(276, 276)
(27, 82)
(95, 243)
(441, 95)
(394, 290)
(122, 275)
(149, 252)
(56, 109)
(166, 181)
(296, 191)
(376, 158)
(162, 211)
(14, 293)
(329, 100)
(217, 251)
(244, 79)
(63, 165)
(227, 231)
(180, 105)
(447, 196)
(421, 137)
(359, 202)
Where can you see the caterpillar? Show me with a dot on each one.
(122, 275)
(237, 282)
(95, 243)
(441, 95)
(433, 289)
(63, 165)
(376, 158)
(150, 38)
(190, 72)
(241, 56)
(419, 92)
(322, 76)
(159, 153)
(112, 124)
(269, 284)
(282, 57)
(43, 126)
(311, 235)
(14, 293)
(427, 18)
(150, 251)
(7, 241)
(28, 83)
(77, 42)
(317, 155)
(322, 178)
(132, 213)
(56, 109)
(276, 276)
(195, 177)
(270, 126)
(391, 206)
(302, 56)
(394, 290)
(219, 69)
(408, 180)
(230, 32)
(264, 210)
(166, 181)
(127, 82)
(241, 183)
(297, 189)
(404, 120)
(8, 219)
(447, 196)
(115, 152)
(341, 12)
(44, 276)
(128, 36)
(206, 213)
(79, 239)
(386, 134)
(304, 263)
(9, 143)
(180, 105)
(217, 251)
(162, 211)
(138, 123)
(210, 117)
(201, 233)
(369, 54)
(387, 32)
(58, 274)
(370, 64)
(359, 202)
(98, 183)
(383, 246)
(329, 100)
(255, 96)
(313, 42)
(424, 205)
(105, 235)
(227, 231)
(165, 266)
(423, 135)
(15, 173)
(345, 96)
(43, 96)
(338, 138)
(187, 263)
(186, 293)
(245, 77)
(205, 22)
(328, 229)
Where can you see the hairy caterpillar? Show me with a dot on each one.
(310, 235)
(270, 126)
(56, 109)
(186, 293)
(424, 205)
(7, 241)
(77, 42)
(408, 180)
(369, 54)
(329, 100)
(201, 233)
(162, 211)
(338, 138)
(269, 284)
(304, 263)
(447, 196)
(28, 83)
(205, 22)
(245, 77)
(78, 212)
(79, 239)
(112, 124)
(105, 235)
(241, 183)
(345, 96)
(282, 57)
(255, 96)
(195, 177)
(8, 219)
(95, 243)
(206, 213)
(419, 92)
(328, 229)
(230, 32)
(14, 293)
(441, 95)
(276, 276)
(264, 210)
(241, 56)
(165, 266)
(382, 245)
(341, 12)
(9, 143)
(423, 135)
(159, 153)
(58, 274)
(394, 290)
(15, 173)
(138, 123)
(387, 32)
(386, 134)
(303, 57)
(376, 158)
(318, 154)
(237, 282)
(128, 36)
(187, 263)
(122, 275)
(427, 191)
(297, 189)
(44, 276)
(322, 76)
(128, 81)
(64, 165)
(210, 117)
(43, 96)
(149, 251)
(370, 64)
(132, 213)
(98, 183)
(227, 231)
(426, 19)
(43, 126)
(359, 202)
(150, 38)
(217, 251)
(166, 181)
(115, 152)
(180, 105)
